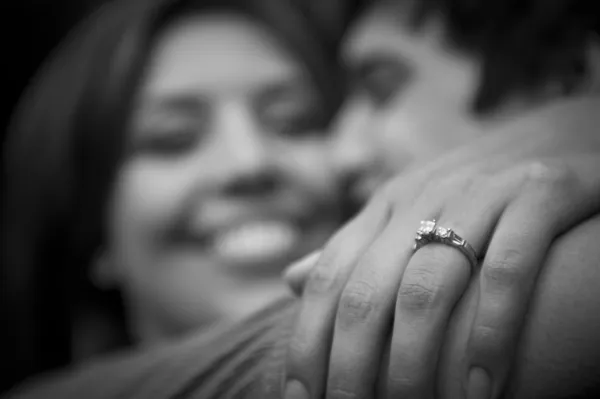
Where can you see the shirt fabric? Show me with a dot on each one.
(242, 360)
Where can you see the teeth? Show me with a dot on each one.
(257, 241)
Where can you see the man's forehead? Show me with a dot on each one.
(372, 29)
(385, 25)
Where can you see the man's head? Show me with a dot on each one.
(430, 76)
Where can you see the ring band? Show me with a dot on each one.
(430, 232)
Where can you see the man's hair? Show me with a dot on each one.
(523, 45)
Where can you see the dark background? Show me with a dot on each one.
(30, 29)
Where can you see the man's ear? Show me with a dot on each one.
(104, 273)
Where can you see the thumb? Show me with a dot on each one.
(297, 273)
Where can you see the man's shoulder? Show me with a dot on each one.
(581, 244)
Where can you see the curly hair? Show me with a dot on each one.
(522, 45)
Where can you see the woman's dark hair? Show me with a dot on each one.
(63, 151)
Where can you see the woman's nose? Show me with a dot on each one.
(248, 158)
(247, 146)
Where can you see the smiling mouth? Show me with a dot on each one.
(252, 246)
(256, 242)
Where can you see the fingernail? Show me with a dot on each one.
(308, 260)
(305, 262)
(295, 390)
(479, 385)
(296, 274)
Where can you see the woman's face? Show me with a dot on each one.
(227, 180)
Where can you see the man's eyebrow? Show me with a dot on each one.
(378, 58)
(362, 67)
(282, 87)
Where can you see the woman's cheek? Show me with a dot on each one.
(312, 164)
(145, 203)
(150, 194)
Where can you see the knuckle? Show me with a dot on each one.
(393, 193)
(339, 389)
(429, 261)
(328, 273)
(504, 268)
(402, 385)
(301, 351)
(357, 304)
(553, 176)
(485, 340)
(297, 347)
(419, 290)
(386, 191)
(472, 186)
(432, 188)
(321, 279)
(325, 275)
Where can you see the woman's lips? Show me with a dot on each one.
(252, 240)
(256, 241)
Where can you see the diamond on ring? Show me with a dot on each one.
(425, 233)
(443, 232)
(427, 227)
(429, 232)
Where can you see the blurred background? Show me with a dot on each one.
(385, 101)
(31, 28)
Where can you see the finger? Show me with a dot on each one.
(296, 274)
(508, 275)
(365, 311)
(512, 265)
(367, 303)
(573, 185)
(308, 351)
(433, 282)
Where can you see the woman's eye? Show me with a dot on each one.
(169, 138)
